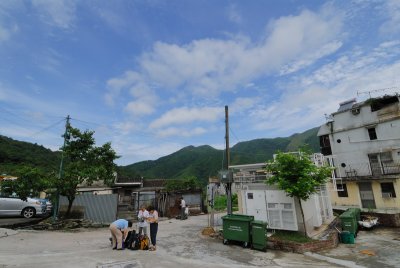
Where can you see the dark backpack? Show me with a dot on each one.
(132, 240)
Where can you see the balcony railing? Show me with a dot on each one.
(249, 178)
(377, 170)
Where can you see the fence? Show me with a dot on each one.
(97, 208)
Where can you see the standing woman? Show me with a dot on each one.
(153, 220)
(142, 220)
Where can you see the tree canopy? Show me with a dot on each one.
(30, 182)
(189, 183)
(84, 163)
(297, 175)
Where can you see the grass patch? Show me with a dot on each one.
(291, 236)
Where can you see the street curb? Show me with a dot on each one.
(7, 232)
(349, 264)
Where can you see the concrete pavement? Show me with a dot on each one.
(180, 244)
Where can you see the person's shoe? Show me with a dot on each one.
(114, 248)
(120, 249)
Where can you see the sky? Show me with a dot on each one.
(152, 77)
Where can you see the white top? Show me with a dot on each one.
(142, 216)
(183, 203)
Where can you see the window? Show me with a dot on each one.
(325, 145)
(249, 195)
(127, 192)
(342, 190)
(388, 190)
(372, 134)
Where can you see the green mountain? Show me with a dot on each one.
(201, 162)
(205, 161)
(15, 154)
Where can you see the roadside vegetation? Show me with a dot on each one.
(220, 203)
(291, 236)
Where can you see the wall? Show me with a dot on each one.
(386, 203)
(317, 245)
(353, 198)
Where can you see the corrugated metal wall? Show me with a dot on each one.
(98, 208)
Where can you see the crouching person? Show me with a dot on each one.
(119, 230)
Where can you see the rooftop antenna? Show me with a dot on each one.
(376, 90)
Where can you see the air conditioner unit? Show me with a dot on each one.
(386, 195)
(355, 111)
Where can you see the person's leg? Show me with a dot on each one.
(140, 230)
(145, 230)
(118, 234)
(113, 230)
(182, 213)
(153, 234)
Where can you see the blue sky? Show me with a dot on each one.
(154, 76)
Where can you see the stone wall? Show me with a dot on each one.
(331, 241)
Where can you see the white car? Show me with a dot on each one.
(14, 206)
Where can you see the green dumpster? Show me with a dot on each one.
(259, 235)
(348, 222)
(346, 237)
(356, 212)
(236, 227)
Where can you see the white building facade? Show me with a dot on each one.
(362, 141)
(268, 203)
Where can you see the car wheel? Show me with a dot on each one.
(28, 212)
(225, 241)
(245, 244)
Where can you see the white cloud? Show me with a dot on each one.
(325, 50)
(208, 67)
(306, 98)
(185, 115)
(134, 152)
(181, 132)
(243, 104)
(392, 12)
(59, 13)
(139, 107)
(6, 33)
(234, 15)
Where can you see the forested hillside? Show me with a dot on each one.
(205, 161)
(200, 162)
(15, 154)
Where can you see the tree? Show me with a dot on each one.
(189, 183)
(84, 163)
(30, 182)
(297, 175)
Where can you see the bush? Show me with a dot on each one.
(220, 202)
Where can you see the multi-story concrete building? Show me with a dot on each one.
(362, 141)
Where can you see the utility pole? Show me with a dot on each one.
(227, 157)
(57, 204)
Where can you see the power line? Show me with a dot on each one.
(47, 128)
(233, 133)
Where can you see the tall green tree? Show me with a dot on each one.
(84, 163)
(297, 175)
(30, 182)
